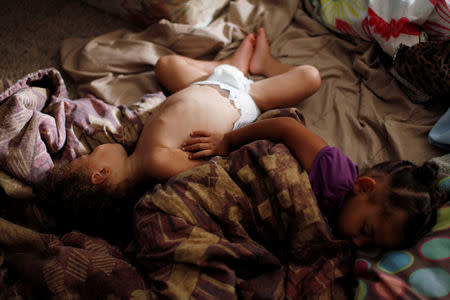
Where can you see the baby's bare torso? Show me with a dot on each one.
(197, 107)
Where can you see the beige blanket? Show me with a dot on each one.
(360, 107)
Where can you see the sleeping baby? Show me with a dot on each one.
(212, 95)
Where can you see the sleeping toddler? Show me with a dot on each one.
(390, 205)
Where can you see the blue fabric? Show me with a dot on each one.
(440, 133)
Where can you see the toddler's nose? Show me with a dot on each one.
(360, 241)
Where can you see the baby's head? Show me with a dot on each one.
(91, 191)
(391, 205)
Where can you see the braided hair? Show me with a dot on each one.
(413, 189)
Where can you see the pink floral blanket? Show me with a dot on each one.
(41, 125)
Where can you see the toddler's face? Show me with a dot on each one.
(365, 223)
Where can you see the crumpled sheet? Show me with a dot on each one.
(360, 107)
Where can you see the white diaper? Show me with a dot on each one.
(231, 79)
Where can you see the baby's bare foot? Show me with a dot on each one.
(241, 57)
(261, 56)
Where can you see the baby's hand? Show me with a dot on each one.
(205, 144)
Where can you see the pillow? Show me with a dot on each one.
(389, 23)
(145, 12)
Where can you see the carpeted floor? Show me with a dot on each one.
(31, 32)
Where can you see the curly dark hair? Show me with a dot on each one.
(75, 203)
(415, 190)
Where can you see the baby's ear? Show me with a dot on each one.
(365, 184)
(99, 176)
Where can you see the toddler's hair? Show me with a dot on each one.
(415, 190)
(75, 203)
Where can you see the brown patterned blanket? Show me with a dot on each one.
(244, 226)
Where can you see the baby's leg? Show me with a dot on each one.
(286, 85)
(286, 89)
(176, 72)
(262, 62)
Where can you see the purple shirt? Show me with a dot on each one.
(332, 176)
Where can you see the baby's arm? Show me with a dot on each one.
(167, 162)
(302, 142)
